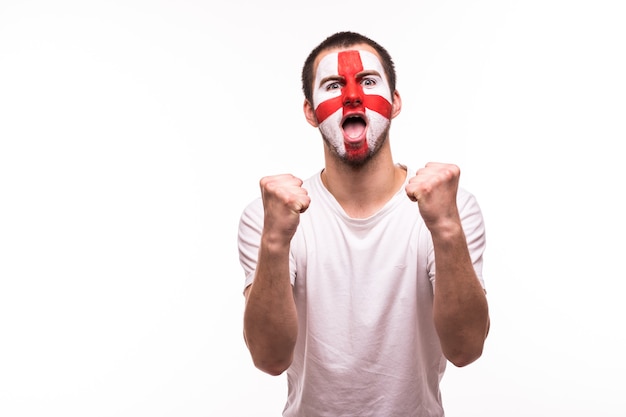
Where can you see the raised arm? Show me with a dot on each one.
(270, 317)
(460, 309)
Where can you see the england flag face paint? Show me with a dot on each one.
(352, 100)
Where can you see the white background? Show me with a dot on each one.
(134, 132)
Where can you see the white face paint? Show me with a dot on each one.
(352, 83)
(333, 133)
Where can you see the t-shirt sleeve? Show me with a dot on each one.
(474, 228)
(249, 238)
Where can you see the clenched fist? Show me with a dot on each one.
(284, 200)
(434, 187)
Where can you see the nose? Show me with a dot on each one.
(353, 95)
(352, 100)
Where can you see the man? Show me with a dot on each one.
(341, 289)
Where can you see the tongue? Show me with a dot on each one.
(354, 128)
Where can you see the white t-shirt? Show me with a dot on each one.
(363, 288)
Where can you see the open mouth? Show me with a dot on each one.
(354, 126)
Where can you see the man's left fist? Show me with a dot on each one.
(434, 187)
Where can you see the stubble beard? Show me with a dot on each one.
(339, 152)
(377, 135)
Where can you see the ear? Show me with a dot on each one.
(396, 106)
(309, 113)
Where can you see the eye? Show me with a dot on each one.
(368, 82)
(333, 86)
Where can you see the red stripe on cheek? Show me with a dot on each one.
(327, 108)
(379, 104)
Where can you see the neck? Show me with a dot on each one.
(362, 191)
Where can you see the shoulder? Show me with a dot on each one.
(252, 215)
(471, 215)
(466, 200)
(314, 182)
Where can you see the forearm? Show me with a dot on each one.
(460, 306)
(270, 317)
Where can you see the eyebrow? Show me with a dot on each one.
(359, 75)
(331, 78)
(368, 72)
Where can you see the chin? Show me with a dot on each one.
(357, 157)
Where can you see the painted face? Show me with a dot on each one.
(352, 100)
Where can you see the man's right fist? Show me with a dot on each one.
(283, 201)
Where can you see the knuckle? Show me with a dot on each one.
(453, 170)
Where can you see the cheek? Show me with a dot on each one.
(331, 126)
(327, 108)
(331, 130)
(320, 96)
(377, 127)
(379, 104)
(381, 90)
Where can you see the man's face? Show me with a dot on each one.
(352, 102)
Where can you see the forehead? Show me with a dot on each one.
(357, 47)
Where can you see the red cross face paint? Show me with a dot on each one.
(352, 100)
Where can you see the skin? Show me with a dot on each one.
(460, 307)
